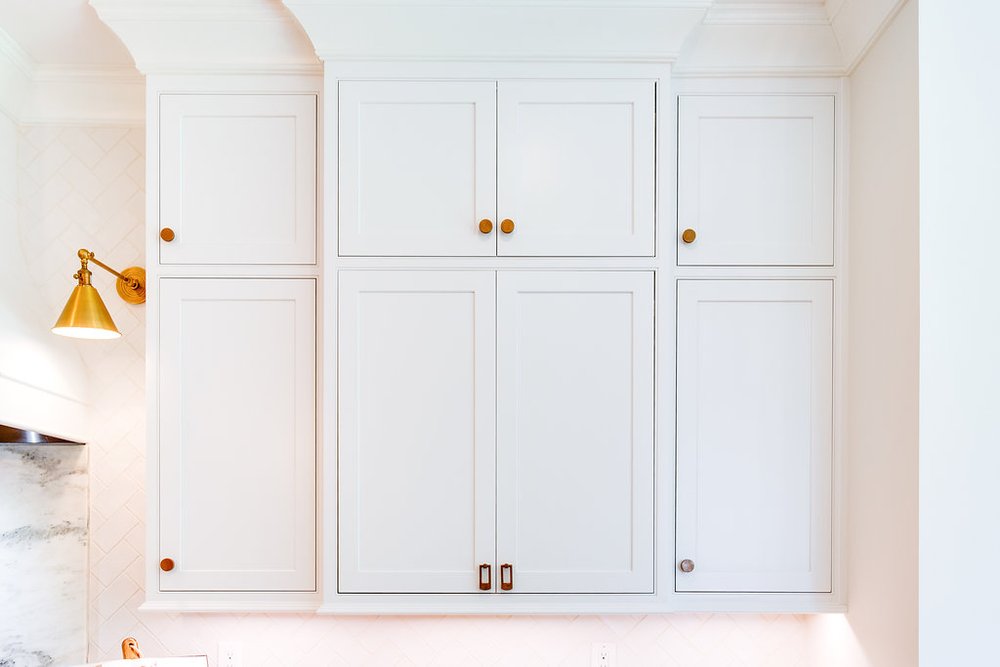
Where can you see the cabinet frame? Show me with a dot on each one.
(666, 271)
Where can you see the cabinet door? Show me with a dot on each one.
(754, 435)
(237, 434)
(575, 430)
(576, 167)
(417, 470)
(417, 167)
(238, 179)
(756, 180)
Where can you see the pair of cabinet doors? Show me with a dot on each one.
(495, 417)
(568, 164)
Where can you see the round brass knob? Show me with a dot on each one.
(687, 565)
(167, 234)
(688, 236)
(167, 564)
(486, 225)
(507, 226)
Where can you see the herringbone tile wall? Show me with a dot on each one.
(83, 187)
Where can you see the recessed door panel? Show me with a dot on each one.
(755, 179)
(575, 431)
(237, 434)
(416, 428)
(417, 167)
(754, 435)
(238, 179)
(576, 167)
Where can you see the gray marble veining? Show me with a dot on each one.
(43, 555)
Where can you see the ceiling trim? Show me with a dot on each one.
(858, 25)
(768, 13)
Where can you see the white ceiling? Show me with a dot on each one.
(62, 32)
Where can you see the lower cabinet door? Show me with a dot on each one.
(754, 435)
(237, 490)
(416, 430)
(575, 431)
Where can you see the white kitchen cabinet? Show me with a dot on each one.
(754, 435)
(576, 167)
(575, 430)
(416, 430)
(755, 180)
(509, 167)
(417, 167)
(434, 484)
(236, 414)
(237, 178)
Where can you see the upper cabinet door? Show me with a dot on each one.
(755, 180)
(575, 431)
(576, 167)
(416, 425)
(754, 435)
(238, 179)
(417, 167)
(237, 446)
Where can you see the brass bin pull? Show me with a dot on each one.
(507, 226)
(485, 577)
(506, 577)
(486, 225)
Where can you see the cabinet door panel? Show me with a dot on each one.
(754, 435)
(576, 167)
(417, 470)
(238, 178)
(756, 179)
(575, 430)
(237, 434)
(417, 167)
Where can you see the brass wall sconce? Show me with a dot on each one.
(85, 315)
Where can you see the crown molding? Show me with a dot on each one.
(499, 30)
(768, 13)
(858, 24)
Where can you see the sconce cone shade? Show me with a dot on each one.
(86, 316)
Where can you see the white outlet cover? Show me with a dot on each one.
(230, 654)
(603, 655)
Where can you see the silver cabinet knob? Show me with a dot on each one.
(687, 565)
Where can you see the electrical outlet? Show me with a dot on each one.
(230, 654)
(602, 655)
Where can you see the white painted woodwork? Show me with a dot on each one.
(576, 167)
(238, 178)
(237, 395)
(417, 167)
(756, 179)
(416, 424)
(754, 435)
(575, 430)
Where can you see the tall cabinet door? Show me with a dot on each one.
(237, 398)
(416, 430)
(576, 167)
(238, 179)
(417, 167)
(575, 431)
(754, 435)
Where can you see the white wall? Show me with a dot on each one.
(42, 382)
(883, 347)
(960, 332)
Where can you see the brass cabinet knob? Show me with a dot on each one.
(167, 564)
(507, 226)
(167, 234)
(687, 565)
(486, 225)
(506, 576)
(688, 236)
(485, 577)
